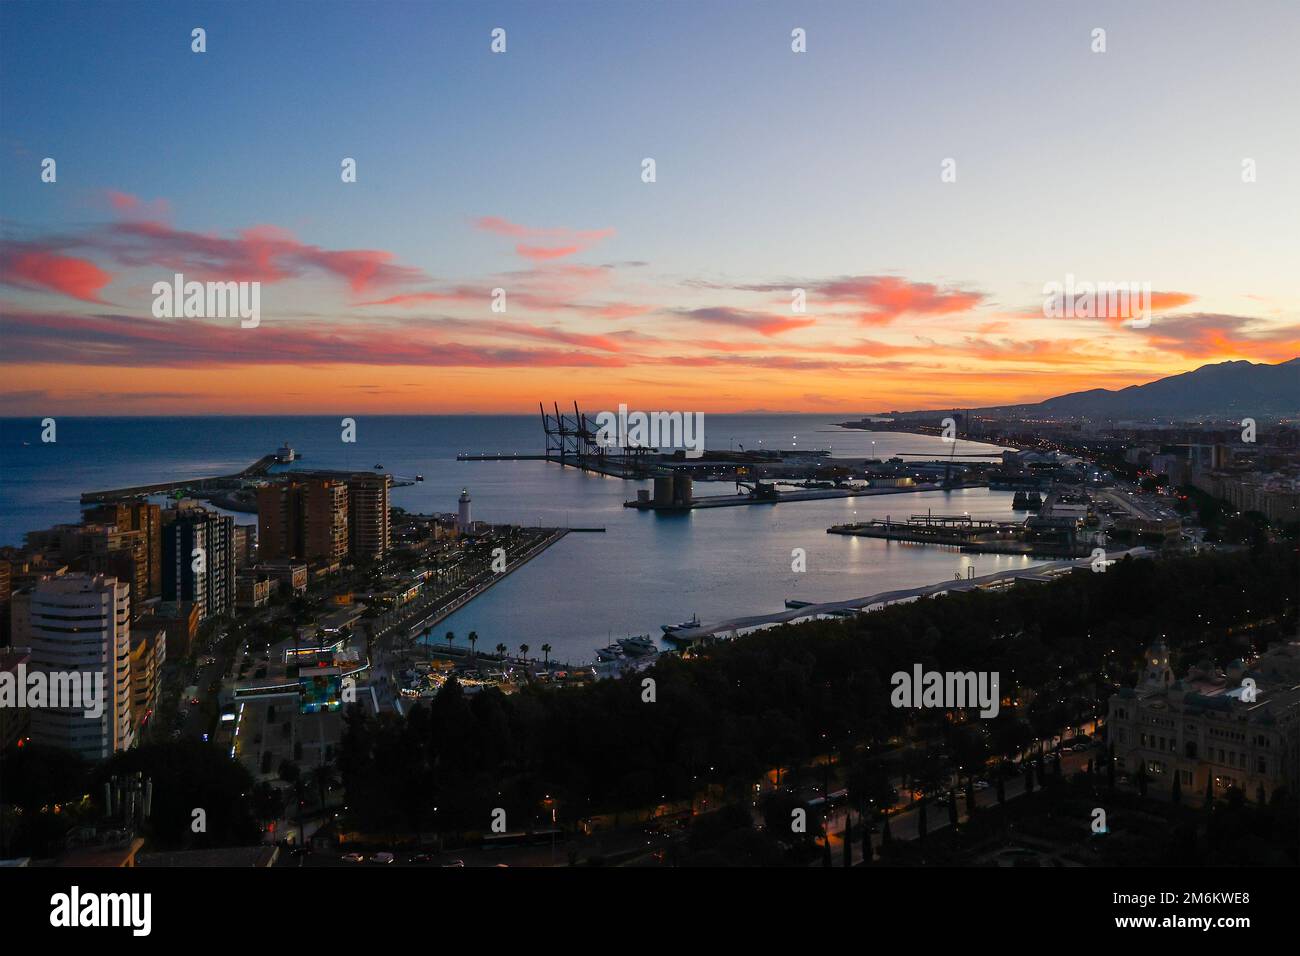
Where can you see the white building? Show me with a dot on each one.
(80, 626)
(463, 523)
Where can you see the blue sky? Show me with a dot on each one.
(772, 167)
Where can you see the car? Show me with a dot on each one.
(194, 702)
(382, 857)
(1078, 748)
(422, 858)
(981, 784)
(457, 863)
(354, 858)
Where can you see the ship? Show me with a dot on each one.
(638, 646)
(608, 654)
(683, 626)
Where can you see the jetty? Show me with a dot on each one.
(873, 602)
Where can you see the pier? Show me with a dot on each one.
(1040, 573)
(423, 616)
(961, 531)
(776, 497)
(257, 469)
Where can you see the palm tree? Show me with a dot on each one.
(501, 650)
(546, 655)
(473, 640)
(523, 651)
(291, 775)
(451, 636)
(324, 778)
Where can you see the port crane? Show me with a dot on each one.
(947, 471)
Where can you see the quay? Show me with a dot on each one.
(772, 497)
(1039, 573)
(424, 617)
(257, 469)
(970, 535)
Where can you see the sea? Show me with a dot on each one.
(645, 570)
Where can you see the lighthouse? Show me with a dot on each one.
(462, 514)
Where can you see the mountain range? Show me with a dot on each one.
(1220, 390)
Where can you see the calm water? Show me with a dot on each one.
(646, 570)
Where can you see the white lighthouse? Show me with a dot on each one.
(462, 515)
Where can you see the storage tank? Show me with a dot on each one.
(663, 491)
(683, 488)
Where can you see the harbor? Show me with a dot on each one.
(970, 535)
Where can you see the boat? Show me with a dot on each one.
(795, 605)
(379, 467)
(638, 646)
(683, 626)
(610, 653)
(419, 477)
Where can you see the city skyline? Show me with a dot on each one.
(522, 171)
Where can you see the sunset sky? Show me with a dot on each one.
(522, 171)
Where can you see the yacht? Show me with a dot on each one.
(685, 625)
(608, 654)
(638, 646)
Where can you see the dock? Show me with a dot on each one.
(969, 535)
(807, 494)
(257, 469)
(871, 602)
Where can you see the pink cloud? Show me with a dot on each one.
(759, 322)
(259, 253)
(37, 268)
(130, 342)
(563, 242)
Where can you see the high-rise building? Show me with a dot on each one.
(369, 524)
(279, 520)
(80, 626)
(137, 516)
(148, 654)
(325, 521)
(101, 548)
(303, 520)
(15, 722)
(245, 545)
(199, 560)
(6, 592)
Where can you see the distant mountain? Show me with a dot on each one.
(1224, 389)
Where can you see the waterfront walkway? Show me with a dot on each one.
(1041, 572)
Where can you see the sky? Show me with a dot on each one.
(829, 170)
